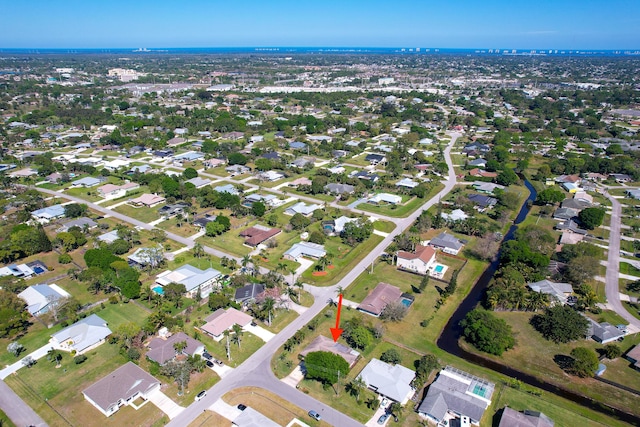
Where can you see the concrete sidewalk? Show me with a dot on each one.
(36, 355)
(165, 404)
(260, 332)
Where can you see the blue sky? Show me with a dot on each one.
(512, 24)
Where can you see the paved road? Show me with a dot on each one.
(612, 287)
(18, 412)
(256, 370)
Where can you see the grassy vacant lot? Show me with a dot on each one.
(269, 404)
(210, 418)
(117, 314)
(384, 226)
(56, 393)
(536, 356)
(400, 211)
(143, 214)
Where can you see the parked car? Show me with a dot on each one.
(316, 416)
(242, 407)
(209, 364)
(200, 395)
(207, 356)
(384, 402)
(383, 418)
(218, 362)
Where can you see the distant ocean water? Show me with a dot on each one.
(323, 50)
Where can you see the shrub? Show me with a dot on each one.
(65, 259)
(487, 333)
(79, 359)
(391, 356)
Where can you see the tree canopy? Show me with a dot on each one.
(486, 332)
(591, 218)
(561, 323)
(325, 366)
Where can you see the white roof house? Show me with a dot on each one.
(40, 298)
(302, 208)
(45, 215)
(192, 278)
(305, 249)
(228, 188)
(87, 181)
(559, 291)
(199, 182)
(270, 176)
(391, 381)
(385, 197)
(455, 215)
(407, 182)
(83, 335)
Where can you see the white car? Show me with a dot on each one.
(200, 395)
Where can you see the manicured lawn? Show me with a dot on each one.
(37, 335)
(344, 258)
(278, 322)
(207, 261)
(626, 268)
(199, 381)
(79, 291)
(274, 407)
(228, 242)
(249, 344)
(210, 418)
(185, 230)
(142, 214)
(56, 393)
(384, 226)
(117, 314)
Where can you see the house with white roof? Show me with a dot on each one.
(84, 335)
(81, 223)
(304, 249)
(302, 208)
(112, 191)
(41, 298)
(199, 182)
(557, 291)
(227, 188)
(86, 182)
(407, 183)
(420, 261)
(455, 215)
(193, 279)
(270, 176)
(386, 198)
(44, 215)
(390, 381)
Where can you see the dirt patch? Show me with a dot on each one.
(319, 273)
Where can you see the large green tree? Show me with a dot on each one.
(486, 332)
(561, 323)
(325, 367)
(591, 218)
(584, 363)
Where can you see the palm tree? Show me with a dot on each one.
(179, 220)
(237, 334)
(339, 290)
(300, 286)
(245, 261)
(268, 305)
(226, 334)
(281, 267)
(198, 250)
(292, 271)
(323, 262)
(357, 385)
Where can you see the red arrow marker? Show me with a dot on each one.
(335, 332)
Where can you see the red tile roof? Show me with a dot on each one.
(425, 253)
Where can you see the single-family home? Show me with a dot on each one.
(199, 182)
(140, 258)
(162, 349)
(302, 208)
(84, 335)
(478, 163)
(299, 181)
(337, 170)
(383, 294)
(147, 200)
(620, 177)
(385, 198)
(248, 293)
(227, 188)
(447, 243)
(234, 170)
(479, 173)
(605, 332)
(336, 226)
(375, 159)
(577, 204)
(486, 187)
(296, 145)
(114, 165)
(81, 223)
(455, 215)
(268, 200)
(556, 291)
(526, 418)
(366, 176)
(322, 343)
(420, 262)
(571, 226)
(42, 298)
(407, 183)
(17, 270)
(456, 394)
(249, 417)
(203, 221)
(633, 356)
(129, 385)
(306, 250)
(189, 156)
(109, 237)
(302, 162)
(258, 234)
(213, 163)
(171, 210)
(86, 182)
(270, 176)
(193, 279)
(339, 189)
(222, 320)
(387, 380)
(47, 214)
(482, 202)
(570, 187)
(271, 155)
(163, 154)
(111, 191)
(565, 214)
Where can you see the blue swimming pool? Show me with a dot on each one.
(38, 270)
(158, 290)
(439, 268)
(406, 302)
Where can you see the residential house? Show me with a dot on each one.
(456, 394)
(482, 202)
(570, 238)
(272, 155)
(583, 196)
(572, 179)
(322, 343)
(17, 270)
(190, 156)
(383, 294)
(203, 221)
(420, 262)
(111, 191)
(249, 417)
(577, 204)
(86, 182)
(337, 170)
(570, 187)
(140, 258)
(162, 350)
(116, 164)
(233, 136)
(339, 189)
(486, 187)
(171, 210)
(479, 173)
(338, 154)
(572, 226)
(258, 234)
(84, 335)
(269, 200)
(163, 154)
(633, 356)
(385, 198)
(367, 176)
(620, 177)
(375, 159)
(140, 169)
(336, 226)
(235, 170)
(387, 380)
(199, 182)
(193, 279)
(48, 214)
(297, 145)
(526, 418)
(302, 208)
(556, 291)
(478, 163)
(129, 385)
(147, 200)
(223, 320)
(455, 215)
(447, 243)
(565, 214)
(248, 293)
(270, 176)
(475, 148)
(407, 183)
(81, 223)
(109, 237)
(300, 181)
(214, 163)
(302, 162)
(42, 298)
(305, 250)
(227, 188)
(605, 332)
